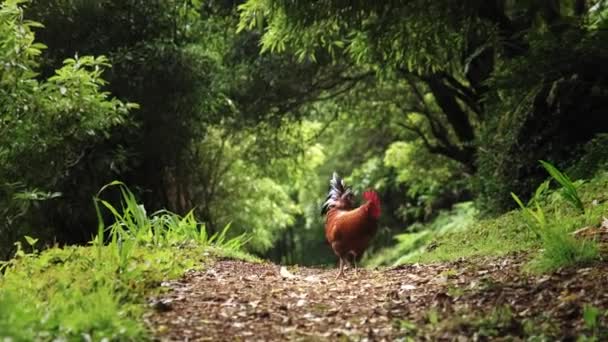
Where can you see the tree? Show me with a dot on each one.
(451, 56)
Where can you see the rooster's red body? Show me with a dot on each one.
(349, 230)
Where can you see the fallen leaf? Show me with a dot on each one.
(312, 279)
(285, 273)
(441, 279)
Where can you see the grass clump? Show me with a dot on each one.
(559, 246)
(98, 292)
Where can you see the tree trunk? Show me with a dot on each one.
(456, 116)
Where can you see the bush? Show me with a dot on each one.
(46, 126)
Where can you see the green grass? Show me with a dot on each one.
(562, 249)
(550, 243)
(412, 245)
(98, 292)
(488, 237)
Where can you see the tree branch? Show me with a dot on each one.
(313, 93)
(437, 128)
(457, 118)
(463, 93)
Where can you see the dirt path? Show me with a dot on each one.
(233, 300)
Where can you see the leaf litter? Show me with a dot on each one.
(479, 299)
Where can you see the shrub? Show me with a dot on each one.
(50, 122)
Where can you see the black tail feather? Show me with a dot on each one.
(336, 190)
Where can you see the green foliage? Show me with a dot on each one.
(415, 243)
(490, 237)
(591, 316)
(165, 66)
(593, 159)
(534, 217)
(598, 16)
(69, 106)
(133, 226)
(559, 247)
(427, 176)
(418, 34)
(236, 190)
(99, 292)
(568, 190)
(46, 122)
(546, 227)
(414, 165)
(552, 119)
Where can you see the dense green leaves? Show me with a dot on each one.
(46, 125)
(568, 189)
(413, 35)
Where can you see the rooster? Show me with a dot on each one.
(349, 230)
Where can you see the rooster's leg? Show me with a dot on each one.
(341, 272)
(354, 262)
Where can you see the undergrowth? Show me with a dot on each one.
(415, 242)
(543, 228)
(559, 246)
(98, 292)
